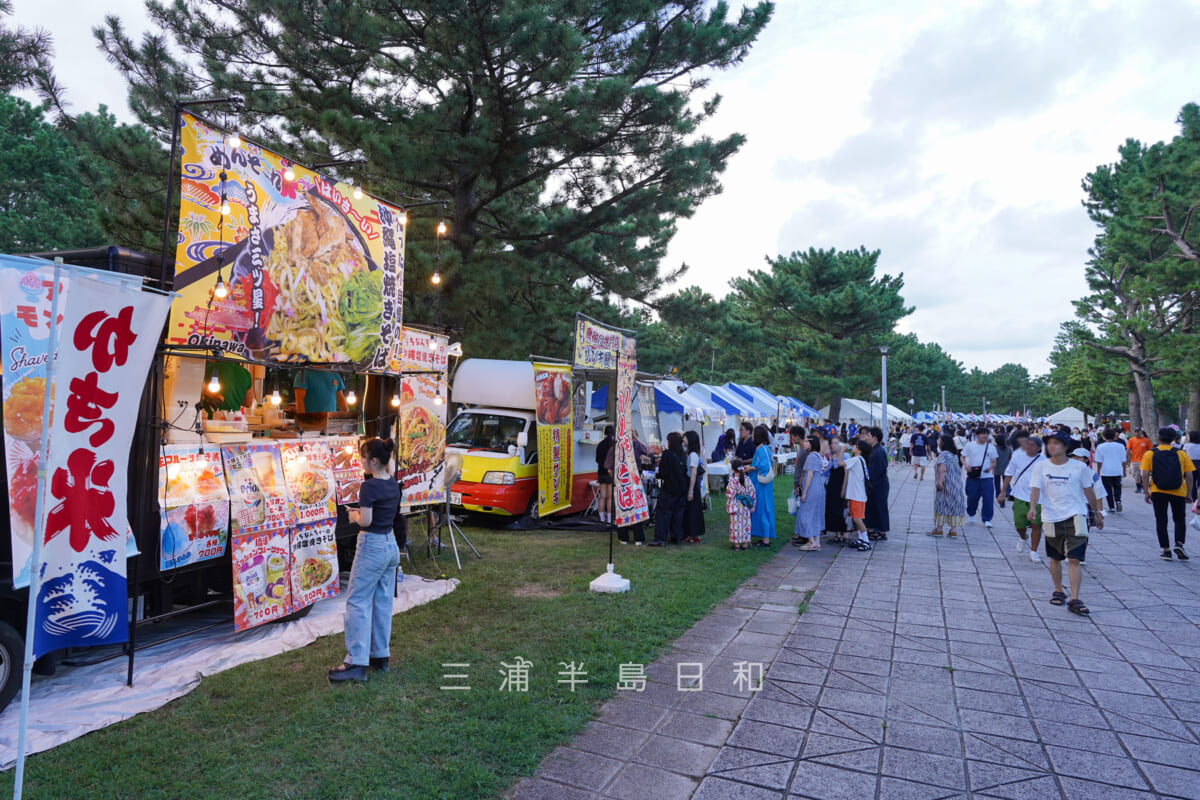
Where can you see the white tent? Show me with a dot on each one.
(864, 412)
(1069, 416)
(682, 408)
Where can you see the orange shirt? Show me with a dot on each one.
(1137, 448)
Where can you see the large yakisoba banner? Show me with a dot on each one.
(314, 275)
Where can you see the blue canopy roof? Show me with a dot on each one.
(805, 409)
(766, 405)
(732, 402)
(666, 403)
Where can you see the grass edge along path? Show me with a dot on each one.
(276, 729)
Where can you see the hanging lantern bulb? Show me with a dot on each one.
(433, 344)
(441, 228)
(221, 291)
(351, 397)
(358, 193)
(275, 398)
(437, 400)
(289, 173)
(436, 279)
(214, 383)
(395, 399)
(225, 207)
(235, 141)
(403, 217)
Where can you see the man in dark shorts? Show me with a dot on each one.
(1062, 487)
(604, 477)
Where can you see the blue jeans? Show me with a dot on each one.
(369, 598)
(981, 488)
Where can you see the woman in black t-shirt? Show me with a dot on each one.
(604, 476)
(373, 576)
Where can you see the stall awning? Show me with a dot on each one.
(731, 402)
(804, 408)
(765, 404)
(600, 398)
(668, 404)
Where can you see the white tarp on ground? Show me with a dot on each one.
(80, 700)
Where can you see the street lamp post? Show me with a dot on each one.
(883, 351)
(943, 403)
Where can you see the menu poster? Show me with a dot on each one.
(257, 492)
(308, 469)
(261, 585)
(194, 505)
(347, 468)
(421, 445)
(314, 563)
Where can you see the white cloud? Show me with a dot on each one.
(951, 136)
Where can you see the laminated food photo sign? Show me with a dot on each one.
(308, 469)
(314, 275)
(262, 589)
(194, 504)
(257, 492)
(552, 390)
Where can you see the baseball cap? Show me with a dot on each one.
(1081, 452)
(1062, 436)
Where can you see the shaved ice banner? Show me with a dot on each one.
(314, 275)
(107, 335)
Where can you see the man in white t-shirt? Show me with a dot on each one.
(1110, 465)
(1017, 477)
(905, 445)
(1063, 488)
(979, 458)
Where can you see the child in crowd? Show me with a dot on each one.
(740, 499)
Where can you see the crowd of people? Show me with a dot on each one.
(1058, 481)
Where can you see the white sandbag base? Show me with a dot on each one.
(79, 700)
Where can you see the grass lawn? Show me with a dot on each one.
(277, 729)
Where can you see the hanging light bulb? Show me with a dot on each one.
(395, 399)
(275, 398)
(221, 291)
(351, 397)
(225, 207)
(436, 279)
(437, 400)
(433, 344)
(214, 383)
(403, 217)
(358, 193)
(441, 228)
(289, 173)
(235, 141)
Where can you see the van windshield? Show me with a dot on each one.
(484, 431)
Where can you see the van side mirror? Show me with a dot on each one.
(523, 439)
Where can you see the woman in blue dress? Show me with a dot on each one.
(809, 487)
(762, 524)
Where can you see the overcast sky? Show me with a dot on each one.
(951, 136)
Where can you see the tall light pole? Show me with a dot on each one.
(943, 403)
(883, 351)
(984, 408)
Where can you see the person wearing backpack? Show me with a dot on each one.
(1167, 478)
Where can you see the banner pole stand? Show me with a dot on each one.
(38, 534)
(610, 582)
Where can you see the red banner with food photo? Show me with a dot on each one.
(347, 468)
(194, 504)
(421, 442)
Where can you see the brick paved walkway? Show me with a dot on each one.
(929, 668)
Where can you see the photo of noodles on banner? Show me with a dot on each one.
(421, 440)
(552, 390)
(601, 348)
(308, 470)
(314, 275)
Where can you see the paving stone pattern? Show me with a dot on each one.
(928, 668)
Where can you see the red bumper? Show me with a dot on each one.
(491, 498)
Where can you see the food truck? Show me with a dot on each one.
(492, 443)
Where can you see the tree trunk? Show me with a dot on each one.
(1145, 393)
(835, 408)
(1135, 411)
(1193, 414)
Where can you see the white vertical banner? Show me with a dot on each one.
(107, 336)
